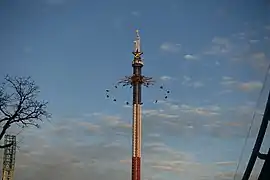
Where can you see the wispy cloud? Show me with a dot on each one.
(196, 84)
(235, 47)
(136, 13)
(220, 45)
(190, 57)
(159, 113)
(226, 163)
(99, 155)
(253, 41)
(229, 82)
(186, 78)
(115, 121)
(226, 91)
(258, 56)
(89, 126)
(244, 47)
(250, 86)
(160, 158)
(205, 111)
(240, 35)
(227, 78)
(267, 27)
(187, 81)
(170, 47)
(166, 78)
(259, 61)
(231, 175)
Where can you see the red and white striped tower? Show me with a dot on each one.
(137, 65)
(137, 80)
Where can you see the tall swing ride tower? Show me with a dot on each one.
(136, 81)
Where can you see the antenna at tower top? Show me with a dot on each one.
(137, 42)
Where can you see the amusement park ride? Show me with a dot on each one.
(137, 81)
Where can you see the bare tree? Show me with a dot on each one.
(19, 104)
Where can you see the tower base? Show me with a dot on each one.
(136, 168)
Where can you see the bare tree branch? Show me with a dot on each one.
(19, 104)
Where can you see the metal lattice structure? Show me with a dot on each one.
(9, 158)
(265, 172)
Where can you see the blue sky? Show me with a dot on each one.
(212, 55)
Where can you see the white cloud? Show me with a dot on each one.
(230, 47)
(197, 84)
(250, 86)
(226, 91)
(227, 78)
(101, 158)
(259, 61)
(204, 111)
(187, 82)
(186, 78)
(241, 35)
(114, 121)
(158, 113)
(220, 41)
(228, 81)
(245, 86)
(160, 158)
(190, 57)
(166, 78)
(136, 13)
(127, 106)
(89, 126)
(154, 135)
(259, 55)
(226, 163)
(253, 41)
(170, 47)
(220, 45)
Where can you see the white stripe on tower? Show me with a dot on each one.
(134, 129)
(139, 129)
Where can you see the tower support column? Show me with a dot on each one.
(136, 80)
(136, 143)
(136, 130)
